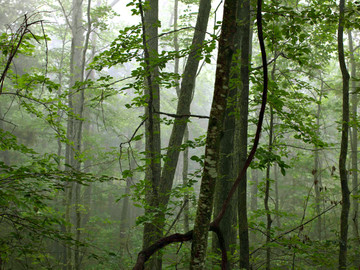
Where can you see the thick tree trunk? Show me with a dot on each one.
(217, 115)
(225, 179)
(345, 206)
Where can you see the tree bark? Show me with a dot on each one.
(254, 199)
(267, 194)
(217, 115)
(354, 151)
(354, 143)
(152, 126)
(345, 206)
(185, 168)
(185, 98)
(242, 127)
(160, 195)
(75, 124)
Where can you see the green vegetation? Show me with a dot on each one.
(124, 126)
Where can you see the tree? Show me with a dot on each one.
(345, 206)
(354, 140)
(161, 189)
(215, 128)
(152, 231)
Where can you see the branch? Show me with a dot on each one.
(145, 254)
(65, 15)
(20, 33)
(177, 217)
(183, 115)
(136, 130)
(272, 60)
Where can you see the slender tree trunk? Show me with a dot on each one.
(4, 154)
(185, 98)
(74, 128)
(185, 173)
(345, 206)
(217, 115)
(267, 194)
(185, 170)
(277, 199)
(267, 178)
(242, 127)
(354, 143)
(317, 172)
(125, 215)
(254, 199)
(354, 152)
(152, 232)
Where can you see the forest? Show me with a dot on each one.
(181, 134)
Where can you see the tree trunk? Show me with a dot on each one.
(74, 128)
(254, 199)
(217, 115)
(345, 206)
(185, 98)
(225, 179)
(160, 194)
(185, 170)
(267, 194)
(152, 231)
(317, 172)
(354, 152)
(242, 127)
(277, 199)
